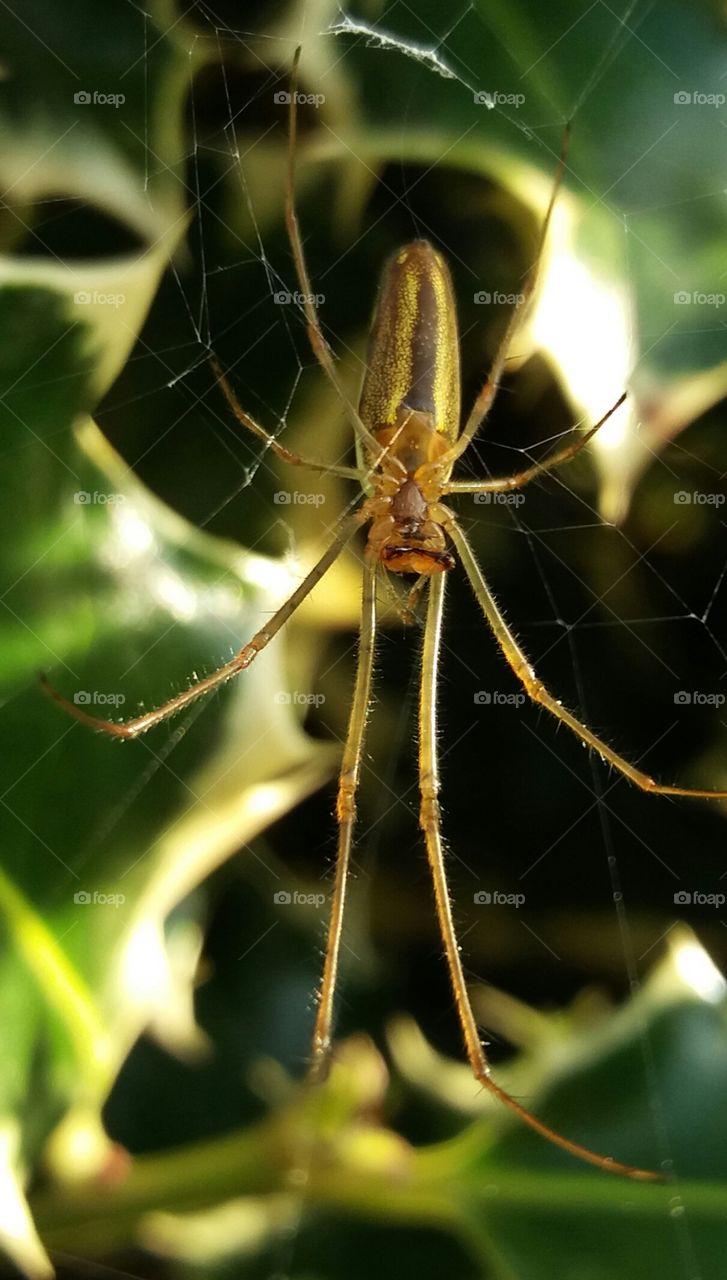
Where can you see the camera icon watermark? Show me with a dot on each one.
(83, 98)
(83, 498)
(288, 498)
(282, 298)
(84, 898)
(698, 698)
(498, 99)
(683, 498)
(285, 698)
(485, 898)
(493, 697)
(683, 898)
(97, 298)
(283, 898)
(696, 98)
(483, 298)
(283, 99)
(86, 698)
(499, 499)
(699, 298)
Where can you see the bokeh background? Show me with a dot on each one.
(612, 1018)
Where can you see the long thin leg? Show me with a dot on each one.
(534, 687)
(431, 825)
(488, 391)
(505, 484)
(317, 341)
(140, 724)
(346, 811)
(271, 441)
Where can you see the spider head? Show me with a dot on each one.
(413, 542)
(416, 546)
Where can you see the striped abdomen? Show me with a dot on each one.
(413, 359)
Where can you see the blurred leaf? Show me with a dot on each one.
(515, 1203)
(120, 600)
(123, 600)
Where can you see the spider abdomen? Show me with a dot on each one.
(413, 356)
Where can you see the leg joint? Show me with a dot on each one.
(429, 812)
(346, 801)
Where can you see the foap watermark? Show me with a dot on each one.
(291, 498)
(297, 699)
(496, 898)
(499, 499)
(696, 98)
(699, 298)
(494, 698)
(695, 497)
(483, 298)
(284, 299)
(94, 98)
(86, 898)
(283, 898)
(95, 698)
(284, 99)
(695, 898)
(697, 698)
(83, 498)
(498, 99)
(97, 298)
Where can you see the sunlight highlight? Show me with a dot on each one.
(145, 972)
(698, 970)
(581, 322)
(274, 576)
(133, 536)
(174, 595)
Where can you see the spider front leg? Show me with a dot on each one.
(242, 660)
(505, 484)
(489, 388)
(319, 346)
(535, 688)
(317, 341)
(280, 451)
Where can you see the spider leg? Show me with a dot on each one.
(346, 812)
(430, 822)
(319, 346)
(535, 688)
(287, 455)
(242, 660)
(407, 610)
(488, 391)
(505, 484)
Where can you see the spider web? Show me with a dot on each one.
(618, 621)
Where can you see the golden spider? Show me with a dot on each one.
(408, 438)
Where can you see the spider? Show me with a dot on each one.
(408, 438)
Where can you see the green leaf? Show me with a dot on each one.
(119, 598)
(515, 1205)
(120, 601)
